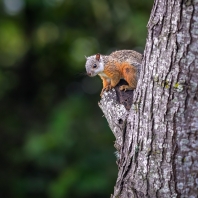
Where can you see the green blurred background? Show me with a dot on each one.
(54, 141)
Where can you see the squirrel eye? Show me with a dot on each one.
(94, 66)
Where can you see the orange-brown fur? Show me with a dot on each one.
(116, 71)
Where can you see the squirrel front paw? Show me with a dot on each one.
(107, 88)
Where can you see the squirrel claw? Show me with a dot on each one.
(104, 89)
(122, 88)
(107, 88)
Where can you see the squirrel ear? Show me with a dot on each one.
(97, 56)
(86, 57)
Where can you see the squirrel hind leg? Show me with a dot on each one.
(126, 87)
(129, 74)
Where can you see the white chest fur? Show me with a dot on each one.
(103, 75)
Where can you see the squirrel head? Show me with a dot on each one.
(94, 65)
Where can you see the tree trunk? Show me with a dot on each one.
(157, 139)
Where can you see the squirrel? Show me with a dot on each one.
(122, 64)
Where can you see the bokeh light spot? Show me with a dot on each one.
(12, 43)
(47, 33)
(13, 7)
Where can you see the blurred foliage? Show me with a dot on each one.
(54, 141)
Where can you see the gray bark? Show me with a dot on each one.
(157, 139)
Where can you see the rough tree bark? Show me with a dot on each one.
(157, 139)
